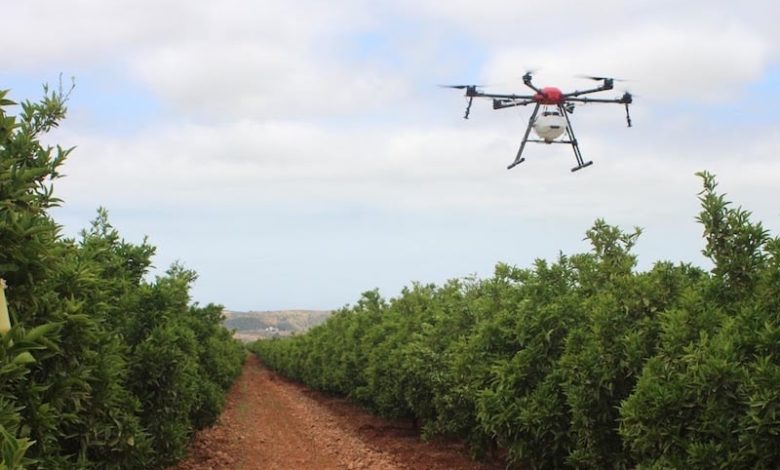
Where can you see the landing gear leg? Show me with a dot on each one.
(570, 132)
(519, 158)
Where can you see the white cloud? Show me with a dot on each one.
(248, 164)
(90, 31)
(664, 62)
(222, 79)
(545, 22)
(273, 107)
(215, 60)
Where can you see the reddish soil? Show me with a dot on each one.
(272, 423)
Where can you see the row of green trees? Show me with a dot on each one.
(102, 368)
(579, 363)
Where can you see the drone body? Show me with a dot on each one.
(553, 120)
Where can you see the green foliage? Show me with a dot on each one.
(101, 369)
(579, 363)
(13, 451)
(710, 396)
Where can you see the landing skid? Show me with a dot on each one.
(571, 140)
(515, 163)
(580, 167)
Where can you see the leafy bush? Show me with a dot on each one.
(579, 363)
(102, 369)
(710, 396)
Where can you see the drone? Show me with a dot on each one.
(553, 120)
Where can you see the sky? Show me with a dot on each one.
(296, 153)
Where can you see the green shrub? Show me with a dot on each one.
(579, 363)
(98, 358)
(710, 397)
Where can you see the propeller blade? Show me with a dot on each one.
(461, 87)
(599, 79)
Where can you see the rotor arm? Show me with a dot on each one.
(577, 93)
(501, 96)
(596, 100)
(499, 100)
(625, 100)
(501, 103)
(508, 99)
(607, 84)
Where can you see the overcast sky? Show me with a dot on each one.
(296, 153)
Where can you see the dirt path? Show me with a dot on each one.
(272, 423)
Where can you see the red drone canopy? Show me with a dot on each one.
(549, 95)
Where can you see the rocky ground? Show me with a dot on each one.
(272, 423)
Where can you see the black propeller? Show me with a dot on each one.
(462, 87)
(600, 79)
(471, 90)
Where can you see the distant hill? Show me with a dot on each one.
(253, 325)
